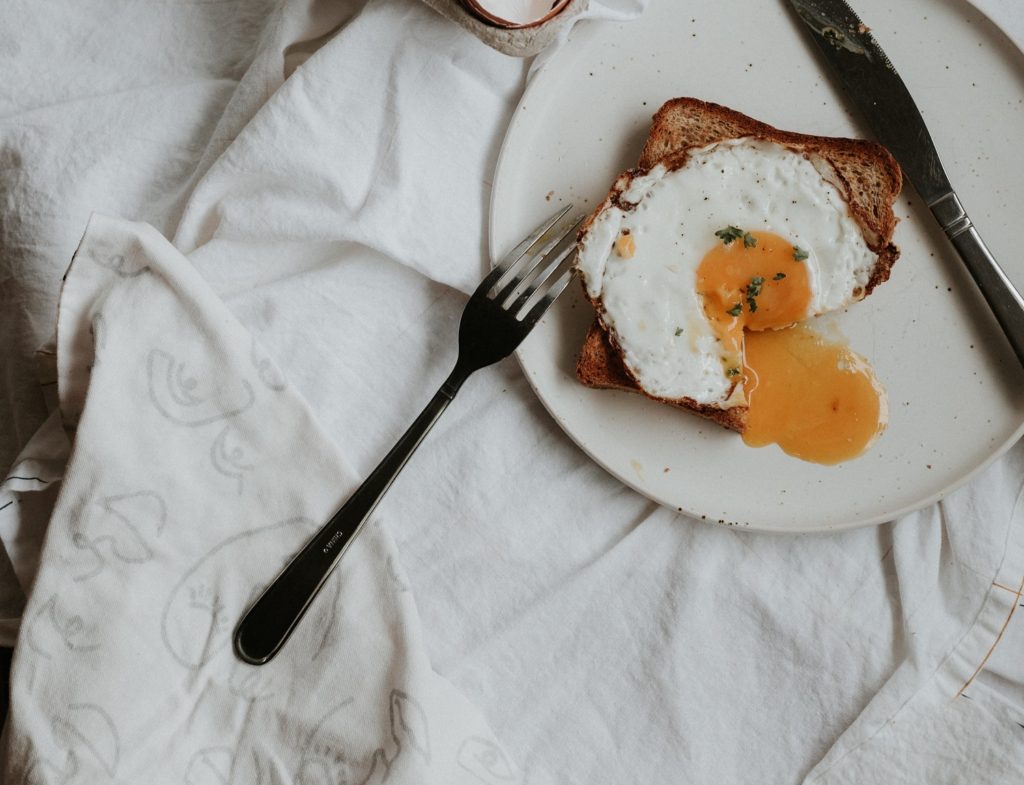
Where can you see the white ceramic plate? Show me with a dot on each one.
(956, 392)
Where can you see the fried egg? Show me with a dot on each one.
(699, 269)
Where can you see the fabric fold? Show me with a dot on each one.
(923, 725)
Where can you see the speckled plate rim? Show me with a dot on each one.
(1017, 40)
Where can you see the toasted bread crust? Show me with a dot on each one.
(865, 172)
(600, 366)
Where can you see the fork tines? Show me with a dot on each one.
(545, 255)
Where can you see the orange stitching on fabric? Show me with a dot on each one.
(999, 637)
(1007, 588)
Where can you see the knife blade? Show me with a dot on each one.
(872, 83)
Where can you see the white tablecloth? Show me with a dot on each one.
(324, 168)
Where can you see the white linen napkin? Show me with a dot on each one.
(196, 472)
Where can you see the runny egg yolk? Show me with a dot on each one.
(753, 282)
(817, 400)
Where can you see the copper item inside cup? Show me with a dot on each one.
(514, 14)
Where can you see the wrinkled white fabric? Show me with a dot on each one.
(340, 215)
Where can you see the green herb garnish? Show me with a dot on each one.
(753, 290)
(749, 241)
(736, 310)
(778, 276)
(799, 253)
(679, 331)
(733, 372)
(729, 233)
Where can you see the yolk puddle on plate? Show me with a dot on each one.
(816, 399)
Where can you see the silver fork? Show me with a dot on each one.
(498, 316)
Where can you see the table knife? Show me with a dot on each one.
(871, 82)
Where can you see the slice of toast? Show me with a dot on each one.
(864, 172)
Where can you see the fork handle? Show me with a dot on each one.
(269, 622)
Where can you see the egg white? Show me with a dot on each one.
(649, 301)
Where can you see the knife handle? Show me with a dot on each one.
(1004, 300)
